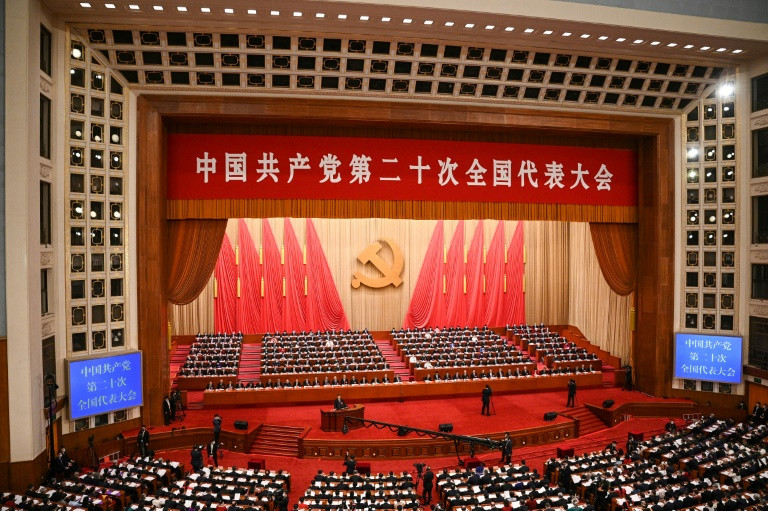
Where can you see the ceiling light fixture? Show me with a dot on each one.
(671, 45)
(320, 15)
(342, 16)
(386, 19)
(181, 8)
(109, 6)
(364, 18)
(585, 36)
(428, 22)
(157, 7)
(547, 32)
(85, 4)
(737, 51)
(567, 34)
(297, 14)
(528, 30)
(490, 27)
(688, 46)
(655, 43)
(705, 48)
(621, 39)
(603, 37)
(251, 11)
(205, 9)
(721, 50)
(509, 29)
(637, 41)
(726, 90)
(133, 7)
(407, 21)
(274, 13)
(469, 25)
(449, 23)
(229, 11)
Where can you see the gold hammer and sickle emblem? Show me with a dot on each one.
(389, 274)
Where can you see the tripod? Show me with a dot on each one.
(493, 407)
(90, 458)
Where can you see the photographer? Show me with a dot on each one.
(143, 441)
(571, 393)
(486, 398)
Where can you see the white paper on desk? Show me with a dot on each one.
(480, 499)
(187, 504)
(505, 495)
(475, 489)
(225, 497)
(515, 504)
(635, 498)
(174, 464)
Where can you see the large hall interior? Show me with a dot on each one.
(349, 254)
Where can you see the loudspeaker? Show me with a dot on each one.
(402, 431)
(241, 424)
(446, 428)
(550, 416)
(608, 403)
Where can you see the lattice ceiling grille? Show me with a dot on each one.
(160, 60)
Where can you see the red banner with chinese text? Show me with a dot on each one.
(288, 167)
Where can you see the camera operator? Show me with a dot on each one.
(196, 458)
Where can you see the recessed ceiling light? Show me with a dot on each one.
(704, 48)
(721, 50)
(688, 46)
(621, 39)
(342, 16)
(133, 7)
(181, 8)
(449, 23)
(490, 27)
(109, 6)
(528, 30)
(585, 36)
(157, 7)
(469, 25)
(407, 21)
(637, 41)
(428, 22)
(274, 13)
(737, 51)
(671, 45)
(726, 90)
(85, 4)
(251, 11)
(567, 34)
(655, 43)
(205, 9)
(297, 14)
(547, 32)
(386, 19)
(320, 15)
(364, 18)
(229, 11)
(603, 37)
(509, 29)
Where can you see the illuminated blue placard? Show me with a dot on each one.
(101, 385)
(708, 357)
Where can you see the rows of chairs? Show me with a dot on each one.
(355, 491)
(213, 355)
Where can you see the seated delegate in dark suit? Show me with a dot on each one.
(339, 403)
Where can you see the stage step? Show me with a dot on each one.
(250, 362)
(396, 363)
(588, 421)
(177, 358)
(277, 440)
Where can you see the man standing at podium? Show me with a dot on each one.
(339, 404)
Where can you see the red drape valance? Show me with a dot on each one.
(616, 249)
(193, 248)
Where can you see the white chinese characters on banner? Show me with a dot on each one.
(360, 171)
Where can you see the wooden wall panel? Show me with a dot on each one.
(151, 265)
(5, 431)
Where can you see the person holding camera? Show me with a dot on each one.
(350, 463)
(571, 393)
(486, 398)
(429, 481)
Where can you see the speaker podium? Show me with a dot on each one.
(333, 420)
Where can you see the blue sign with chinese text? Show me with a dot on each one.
(708, 357)
(101, 385)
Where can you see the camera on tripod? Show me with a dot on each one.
(419, 467)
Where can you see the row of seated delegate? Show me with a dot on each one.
(711, 464)
(483, 350)
(320, 353)
(213, 355)
(482, 374)
(212, 487)
(513, 485)
(304, 383)
(355, 491)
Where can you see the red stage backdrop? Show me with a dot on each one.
(283, 167)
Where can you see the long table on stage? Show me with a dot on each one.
(419, 374)
(333, 420)
(387, 391)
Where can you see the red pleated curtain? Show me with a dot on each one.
(193, 249)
